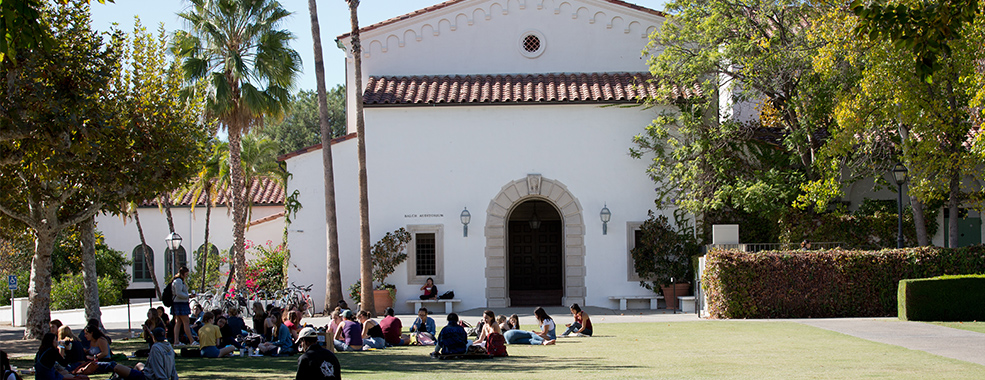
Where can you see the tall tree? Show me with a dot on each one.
(365, 256)
(205, 185)
(104, 151)
(333, 280)
(704, 157)
(236, 47)
(301, 126)
(90, 284)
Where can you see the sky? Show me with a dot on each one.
(333, 17)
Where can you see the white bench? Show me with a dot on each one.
(686, 303)
(622, 300)
(448, 304)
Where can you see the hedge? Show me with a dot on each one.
(946, 298)
(823, 284)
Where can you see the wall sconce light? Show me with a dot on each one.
(606, 215)
(466, 218)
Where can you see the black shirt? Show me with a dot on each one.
(318, 363)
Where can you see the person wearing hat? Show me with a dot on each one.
(316, 362)
(160, 362)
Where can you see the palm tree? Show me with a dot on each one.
(206, 184)
(365, 260)
(333, 281)
(236, 47)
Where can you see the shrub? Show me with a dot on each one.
(268, 270)
(945, 298)
(66, 293)
(869, 228)
(819, 284)
(665, 253)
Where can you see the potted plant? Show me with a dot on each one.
(387, 254)
(663, 257)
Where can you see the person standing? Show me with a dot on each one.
(315, 362)
(180, 308)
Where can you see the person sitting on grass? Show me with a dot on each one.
(54, 325)
(582, 326)
(423, 325)
(48, 363)
(315, 363)
(349, 335)
(209, 336)
(293, 323)
(283, 344)
(70, 348)
(6, 371)
(195, 318)
(392, 327)
(453, 339)
(491, 337)
(335, 322)
(153, 321)
(372, 332)
(504, 323)
(270, 322)
(160, 362)
(545, 336)
(235, 324)
(259, 316)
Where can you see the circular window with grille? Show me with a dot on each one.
(531, 44)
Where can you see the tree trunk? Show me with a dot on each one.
(90, 283)
(333, 281)
(365, 259)
(166, 204)
(919, 221)
(148, 256)
(953, 200)
(208, 248)
(39, 291)
(239, 209)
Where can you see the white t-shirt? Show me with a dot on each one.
(549, 324)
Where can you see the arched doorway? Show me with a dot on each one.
(536, 254)
(500, 212)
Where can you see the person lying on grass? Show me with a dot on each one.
(209, 336)
(545, 336)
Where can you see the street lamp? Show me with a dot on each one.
(174, 242)
(466, 218)
(900, 175)
(606, 215)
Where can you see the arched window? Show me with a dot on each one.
(169, 270)
(141, 268)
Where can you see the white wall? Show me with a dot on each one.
(122, 234)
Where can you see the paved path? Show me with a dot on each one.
(958, 344)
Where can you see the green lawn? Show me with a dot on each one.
(686, 350)
(970, 326)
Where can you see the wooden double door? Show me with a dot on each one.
(536, 263)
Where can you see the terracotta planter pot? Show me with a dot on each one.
(672, 292)
(382, 300)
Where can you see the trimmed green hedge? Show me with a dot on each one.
(945, 298)
(822, 284)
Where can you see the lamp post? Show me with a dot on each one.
(174, 242)
(606, 215)
(466, 218)
(900, 174)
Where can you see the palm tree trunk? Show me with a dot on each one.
(239, 189)
(148, 256)
(333, 282)
(365, 260)
(208, 248)
(90, 283)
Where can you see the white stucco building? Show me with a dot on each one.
(497, 107)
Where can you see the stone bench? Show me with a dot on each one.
(622, 300)
(686, 303)
(448, 304)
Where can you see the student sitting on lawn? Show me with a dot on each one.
(48, 363)
(209, 336)
(453, 339)
(283, 344)
(153, 321)
(160, 362)
(70, 348)
(423, 325)
(349, 335)
(582, 325)
(372, 332)
(546, 335)
(392, 326)
(5, 370)
(315, 363)
(491, 337)
(235, 324)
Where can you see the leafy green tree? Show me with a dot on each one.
(23, 28)
(751, 52)
(301, 128)
(235, 46)
(105, 145)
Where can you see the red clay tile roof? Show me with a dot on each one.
(529, 88)
(453, 2)
(265, 192)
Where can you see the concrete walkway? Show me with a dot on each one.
(958, 344)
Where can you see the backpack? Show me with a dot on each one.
(167, 296)
(447, 295)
